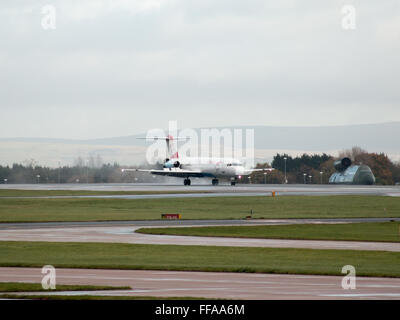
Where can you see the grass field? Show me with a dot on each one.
(94, 297)
(7, 287)
(385, 231)
(9, 290)
(198, 258)
(36, 210)
(35, 287)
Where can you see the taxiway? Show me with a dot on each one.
(207, 190)
(212, 284)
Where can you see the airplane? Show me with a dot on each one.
(199, 167)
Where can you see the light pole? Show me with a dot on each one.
(249, 180)
(59, 169)
(265, 178)
(5, 181)
(285, 158)
(310, 178)
(321, 173)
(87, 171)
(38, 178)
(304, 176)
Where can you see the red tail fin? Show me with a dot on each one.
(175, 155)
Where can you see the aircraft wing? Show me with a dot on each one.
(250, 171)
(174, 172)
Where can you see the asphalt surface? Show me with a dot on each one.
(177, 223)
(221, 190)
(200, 284)
(127, 234)
(213, 285)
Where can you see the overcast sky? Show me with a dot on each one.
(115, 68)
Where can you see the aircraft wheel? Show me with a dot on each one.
(233, 183)
(214, 182)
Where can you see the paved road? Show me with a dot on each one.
(214, 285)
(127, 234)
(222, 190)
(211, 285)
(177, 223)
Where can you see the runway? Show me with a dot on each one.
(127, 234)
(208, 190)
(203, 284)
(213, 285)
(183, 223)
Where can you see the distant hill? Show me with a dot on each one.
(381, 137)
(373, 137)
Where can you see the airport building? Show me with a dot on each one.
(351, 174)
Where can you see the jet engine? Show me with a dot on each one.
(172, 164)
(342, 165)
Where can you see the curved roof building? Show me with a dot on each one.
(351, 174)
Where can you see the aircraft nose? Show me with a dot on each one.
(239, 171)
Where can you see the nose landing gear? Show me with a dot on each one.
(186, 182)
(214, 182)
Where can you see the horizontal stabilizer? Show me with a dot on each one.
(172, 172)
(164, 138)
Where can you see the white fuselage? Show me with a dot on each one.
(211, 167)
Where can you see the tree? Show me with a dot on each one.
(381, 166)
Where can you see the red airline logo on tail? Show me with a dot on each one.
(175, 155)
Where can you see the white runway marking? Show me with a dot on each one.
(238, 190)
(211, 284)
(353, 295)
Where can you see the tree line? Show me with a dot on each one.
(318, 168)
(314, 169)
(18, 173)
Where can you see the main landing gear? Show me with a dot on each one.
(214, 182)
(186, 182)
